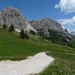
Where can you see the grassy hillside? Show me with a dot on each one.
(14, 48)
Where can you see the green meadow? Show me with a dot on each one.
(12, 47)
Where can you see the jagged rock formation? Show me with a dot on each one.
(12, 16)
(47, 24)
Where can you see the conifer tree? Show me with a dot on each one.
(4, 26)
(22, 34)
(11, 28)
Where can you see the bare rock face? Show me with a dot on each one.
(46, 24)
(12, 16)
(49, 24)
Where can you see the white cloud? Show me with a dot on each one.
(69, 24)
(67, 21)
(67, 6)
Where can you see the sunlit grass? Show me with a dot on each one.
(12, 47)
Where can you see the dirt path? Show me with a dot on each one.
(32, 65)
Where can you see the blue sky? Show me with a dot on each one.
(62, 11)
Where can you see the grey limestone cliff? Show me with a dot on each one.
(12, 16)
(47, 24)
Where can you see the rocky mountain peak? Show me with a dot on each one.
(47, 24)
(12, 16)
(10, 8)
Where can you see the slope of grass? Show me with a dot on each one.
(73, 43)
(14, 48)
(60, 67)
(64, 63)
